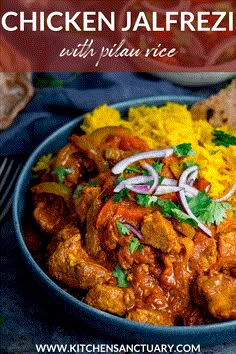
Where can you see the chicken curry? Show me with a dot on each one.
(133, 231)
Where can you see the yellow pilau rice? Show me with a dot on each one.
(170, 125)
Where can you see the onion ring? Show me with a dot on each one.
(161, 190)
(192, 178)
(229, 194)
(132, 180)
(183, 200)
(154, 175)
(152, 154)
(135, 231)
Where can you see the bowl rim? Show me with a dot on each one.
(135, 326)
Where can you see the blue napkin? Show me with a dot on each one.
(50, 108)
(26, 318)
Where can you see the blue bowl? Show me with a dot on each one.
(119, 328)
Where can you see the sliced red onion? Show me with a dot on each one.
(207, 189)
(169, 182)
(219, 50)
(143, 179)
(138, 188)
(183, 200)
(227, 195)
(183, 4)
(186, 208)
(154, 175)
(152, 154)
(135, 231)
(183, 180)
(132, 180)
(192, 177)
(161, 190)
(190, 191)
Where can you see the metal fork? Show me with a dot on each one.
(9, 171)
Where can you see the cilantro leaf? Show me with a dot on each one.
(207, 210)
(199, 203)
(234, 213)
(119, 179)
(137, 169)
(79, 188)
(146, 200)
(77, 191)
(161, 179)
(157, 166)
(172, 210)
(120, 195)
(145, 172)
(167, 206)
(61, 172)
(133, 169)
(184, 149)
(120, 275)
(122, 229)
(183, 217)
(223, 139)
(135, 245)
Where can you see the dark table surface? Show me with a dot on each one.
(27, 316)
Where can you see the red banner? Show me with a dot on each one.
(134, 35)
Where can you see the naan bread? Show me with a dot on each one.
(218, 109)
(16, 88)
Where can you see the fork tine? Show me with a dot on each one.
(9, 171)
(6, 209)
(3, 165)
(6, 174)
(10, 184)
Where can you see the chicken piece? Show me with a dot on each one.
(147, 290)
(63, 235)
(72, 266)
(218, 109)
(218, 293)
(226, 265)
(84, 201)
(51, 215)
(110, 298)
(204, 254)
(159, 233)
(155, 317)
(228, 224)
(90, 273)
(110, 237)
(145, 254)
(183, 228)
(227, 244)
(176, 279)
